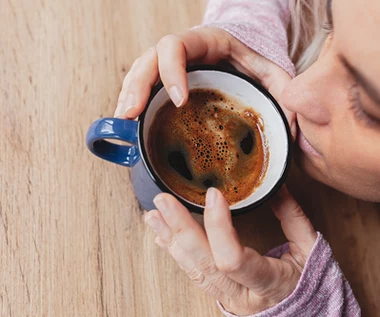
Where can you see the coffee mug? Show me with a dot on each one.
(147, 183)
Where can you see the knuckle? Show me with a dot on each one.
(131, 73)
(233, 265)
(149, 55)
(171, 242)
(126, 79)
(196, 276)
(154, 213)
(187, 236)
(130, 86)
(138, 68)
(297, 212)
(199, 279)
(286, 272)
(135, 63)
(207, 265)
(299, 256)
(259, 68)
(137, 84)
(167, 40)
(208, 287)
(222, 40)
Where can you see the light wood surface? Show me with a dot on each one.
(72, 239)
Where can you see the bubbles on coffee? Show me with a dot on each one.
(212, 141)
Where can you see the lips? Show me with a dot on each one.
(305, 145)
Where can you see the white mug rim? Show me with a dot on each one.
(191, 206)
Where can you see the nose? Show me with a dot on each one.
(307, 95)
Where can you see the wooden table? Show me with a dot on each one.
(72, 239)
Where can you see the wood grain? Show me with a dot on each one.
(72, 239)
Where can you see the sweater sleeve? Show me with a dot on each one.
(322, 290)
(259, 24)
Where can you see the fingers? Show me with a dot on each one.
(207, 45)
(275, 81)
(165, 240)
(169, 59)
(189, 246)
(295, 224)
(259, 67)
(160, 243)
(159, 225)
(276, 84)
(137, 85)
(243, 265)
(186, 231)
(218, 263)
(224, 241)
(172, 68)
(271, 76)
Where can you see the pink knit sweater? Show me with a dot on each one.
(322, 289)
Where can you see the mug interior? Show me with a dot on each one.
(275, 130)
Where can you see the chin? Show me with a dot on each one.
(318, 170)
(311, 167)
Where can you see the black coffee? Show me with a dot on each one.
(212, 141)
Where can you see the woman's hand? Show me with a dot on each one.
(241, 279)
(205, 45)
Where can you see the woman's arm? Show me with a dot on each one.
(259, 24)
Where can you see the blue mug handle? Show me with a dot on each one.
(116, 129)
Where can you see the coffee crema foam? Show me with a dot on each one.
(211, 141)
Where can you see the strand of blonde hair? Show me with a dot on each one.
(307, 32)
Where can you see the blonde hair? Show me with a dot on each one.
(307, 32)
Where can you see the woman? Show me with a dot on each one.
(333, 107)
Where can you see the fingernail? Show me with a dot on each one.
(176, 95)
(161, 203)
(210, 197)
(125, 106)
(154, 223)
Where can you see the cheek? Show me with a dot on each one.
(353, 146)
(353, 164)
(350, 154)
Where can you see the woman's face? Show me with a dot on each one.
(337, 102)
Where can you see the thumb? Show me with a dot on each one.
(275, 82)
(295, 224)
(270, 75)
